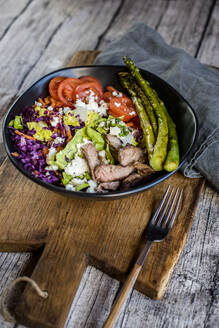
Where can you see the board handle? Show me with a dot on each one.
(58, 272)
(128, 285)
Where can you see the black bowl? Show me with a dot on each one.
(181, 112)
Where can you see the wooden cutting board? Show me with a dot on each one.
(73, 233)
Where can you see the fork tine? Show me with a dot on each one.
(160, 205)
(165, 208)
(170, 208)
(175, 211)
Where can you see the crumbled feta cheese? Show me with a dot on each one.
(58, 140)
(117, 94)
(127, 140)
(52, 151)
(102, 155)
(23, 141)
(103, 108)
(132, 113)
(115, 130)
(66, 109)
(80, 145)
(70, 187)
(51, 154)
(92, 186)
(42, 124)
(77, 182)
(81, 108)
(77, 167)
(51, 168)
(50, 108)
(55, 121)
(117, 104)
(61, 110)
(37, 103)
(101, 124)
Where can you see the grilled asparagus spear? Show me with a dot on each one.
(160, 148)
(148, 107)
(172, 160)
(144, 119)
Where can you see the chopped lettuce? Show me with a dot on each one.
(18, 122)
(11, 123)
(92, 117)
(70, 119)
(41, 111)
(109, 155)
(124, 131)
(97, 122)
(87, 176)
(41, 134)
(102, 127)
(66, 178)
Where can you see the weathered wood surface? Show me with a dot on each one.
(32, 49)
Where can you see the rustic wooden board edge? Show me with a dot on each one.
(162, 287)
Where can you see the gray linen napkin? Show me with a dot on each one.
(196, 82)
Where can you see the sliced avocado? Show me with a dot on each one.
(96, 138)
(82, 186)
(18, 122)
(70, 149)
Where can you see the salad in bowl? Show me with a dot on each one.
(88, 138)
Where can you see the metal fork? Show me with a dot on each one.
(157, 229)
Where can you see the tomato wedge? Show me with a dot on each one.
(111, 89)
(66, 91)
(107, 96)
(112, 92)
(53, 86)
(134, 123)
(89, 78)
(122, 106)
(83, 90)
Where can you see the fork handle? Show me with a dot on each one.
(128, 285)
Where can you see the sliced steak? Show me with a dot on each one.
(130, 154)
(91, 155)
(144, 174)
(143, 169)
(108, 173)
(132, 180)
(114, 141)
(114, 185)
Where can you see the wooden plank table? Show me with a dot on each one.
(37, 36)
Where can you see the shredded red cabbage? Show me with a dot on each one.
(32, 153)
